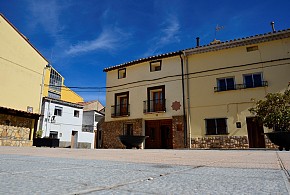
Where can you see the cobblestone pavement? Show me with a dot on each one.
(30, 170)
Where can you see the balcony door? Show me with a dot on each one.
(123, 105)
(157, 101)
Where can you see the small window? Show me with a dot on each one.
(128, 129)
(53, 95)
(179, 127)
(225, 84)
(58, 111)
(77, 113)
(122, 73)
(53, 134)
(217, 126)
(253, 80)
(155, 66)
(252, 48)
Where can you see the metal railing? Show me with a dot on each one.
(241, 86)
(158, 105)
(120, 110)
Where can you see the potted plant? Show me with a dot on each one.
(274, 113)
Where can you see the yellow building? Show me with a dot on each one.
(225, 79)
(26, 77)
(21, 74)
(54, 87)
(198, 97)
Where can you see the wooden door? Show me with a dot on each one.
(166, 136)
(255, 133)
(160, 134)
(74, 139)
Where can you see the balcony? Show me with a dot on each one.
(121, 110)
(241, 86)
(157, 105)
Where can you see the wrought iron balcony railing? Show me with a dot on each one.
(158, 105)
(241, 86)
(120, 110)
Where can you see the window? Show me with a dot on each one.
(53, 134)
(155, 66)
(155, 99)
(53, 95)
(121, 107)
(252, 48)
(122, 73)
(217, 126)
(55, 81)
(128, 129)
(58, 111)
(76, 113)
(253, 80)
(224, 84)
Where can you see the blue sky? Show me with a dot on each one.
(81, 38)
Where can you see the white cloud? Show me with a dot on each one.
(47, 14)
(169, 34)
(107, 40)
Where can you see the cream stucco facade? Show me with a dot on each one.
(145, 89)
(215, 85)
(138, 80)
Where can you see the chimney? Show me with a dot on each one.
(197, 41)
(273, 27)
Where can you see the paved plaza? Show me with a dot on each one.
(30, 170)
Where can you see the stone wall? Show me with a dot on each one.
(178, 132)
(225, 142)
(15, 130)
(14, 136)
(112, 129)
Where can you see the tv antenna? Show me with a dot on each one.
(217, 29)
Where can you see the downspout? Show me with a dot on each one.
(41, 94)
(183, 103)
(188, 100)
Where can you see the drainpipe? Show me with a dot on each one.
(41, 94)
(183, 103)
(188, 100)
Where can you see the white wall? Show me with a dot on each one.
(65, 124)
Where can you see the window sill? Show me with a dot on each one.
(154, 112)
(216, 134)
(120, 116)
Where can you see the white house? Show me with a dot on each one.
(63, 120)
(92, 118)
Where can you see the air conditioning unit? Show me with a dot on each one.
(53, 119)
